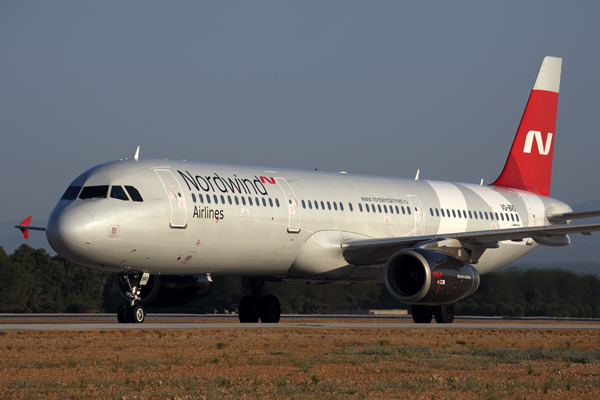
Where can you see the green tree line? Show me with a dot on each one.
(32, 281)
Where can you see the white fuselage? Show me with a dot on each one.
(198, 218)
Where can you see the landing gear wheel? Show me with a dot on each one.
(422, 314)
(444, 314)
(248, 310)
(124, 314)
(269, 309)
(138, 314)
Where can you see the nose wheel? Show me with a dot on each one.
(133, 312)
(127, 314)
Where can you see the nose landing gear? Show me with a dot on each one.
(133, 312)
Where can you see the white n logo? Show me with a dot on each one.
(542, 149)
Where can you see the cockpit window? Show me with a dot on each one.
(117, 192)
(94, 192)
(133, 193)
(71, 193)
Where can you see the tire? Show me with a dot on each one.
(124, 314)
(248, 310)
(138, 314)
(269, 310)
(421, 314)
(444, 314)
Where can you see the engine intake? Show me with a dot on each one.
(418, 276)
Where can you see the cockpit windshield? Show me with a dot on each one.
(71, 193)
(134, 194)
(94, 192)
(117, 192)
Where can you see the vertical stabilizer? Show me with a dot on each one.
(529, 164)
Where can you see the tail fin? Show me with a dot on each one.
(529, 164)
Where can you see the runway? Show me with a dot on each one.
(100, 322)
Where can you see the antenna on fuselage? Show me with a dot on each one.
(481, 183)
(137, 154)
(417, 176)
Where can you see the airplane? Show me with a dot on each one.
(167, 228)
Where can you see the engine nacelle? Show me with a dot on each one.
(168, 290)
(418, 276)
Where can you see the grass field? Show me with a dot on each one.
(329, 363)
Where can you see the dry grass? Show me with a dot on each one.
(329, 363)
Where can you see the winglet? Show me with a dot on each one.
(25, 227)
(24, 230)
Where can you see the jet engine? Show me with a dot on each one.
(419, 276)
(168, 290)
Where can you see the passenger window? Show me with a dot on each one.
(431, 211)
(481, 215)
(303, 204)
(507, 216)
(208, 198)
(385, 208)
(350, 207)
(134, 194)
(403, 211)
(448, 213)
(193, 197)
(502, 216)
(453, 213)
(517, 215)
(249, 200)
(94, 192)
(486, 216)
(229, 200)
(277, 202)
(243, 200)
(316, 205)
(309, 204)
(397, 211)
(258, 202)
(117, 192)
(216, 199)
(322, 205)
(379, 208)
(270, 202)
(408, 210)
(222, 199)
(335, 206)
(442, 210)
(200, 198)
(437, 212)
(491, 215)
(367, 208)
(512, 217)
(328, 205)
(71, 193)
(359, 207)
(497, 217)
(237, 202)
(341, 206)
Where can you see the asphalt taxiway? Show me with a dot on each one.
(99, 322)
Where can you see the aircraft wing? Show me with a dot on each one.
(376, 251)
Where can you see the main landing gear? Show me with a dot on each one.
(133, 312)
(444, 314)
(255, 307)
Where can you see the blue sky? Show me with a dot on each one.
(380, 88)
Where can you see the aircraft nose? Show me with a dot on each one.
(70, 231)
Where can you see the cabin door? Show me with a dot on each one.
(292, 205)
(176, 199)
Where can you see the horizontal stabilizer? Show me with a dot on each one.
(25, 227)
(572, 215)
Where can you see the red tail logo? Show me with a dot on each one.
(526, 168)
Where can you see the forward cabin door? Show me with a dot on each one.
(176, 199)
(417, 211)
(292, 205)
